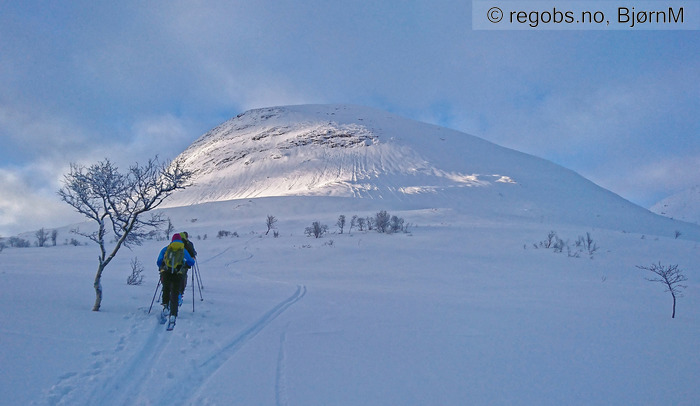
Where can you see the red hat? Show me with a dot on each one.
(176, 237)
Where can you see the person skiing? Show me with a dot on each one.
(171, 261)
(189, 246)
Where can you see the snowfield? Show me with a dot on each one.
(460, 310)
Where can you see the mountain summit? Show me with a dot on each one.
(332, 150)
(353, 151)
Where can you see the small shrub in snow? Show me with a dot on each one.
(669, 276)
(559, 245)
(270, 223)
(317, 229)
(17, 242)
(551, 239)
(136, 277)
(586, 243)
(341, 223)
(582, 245)
(353, 223)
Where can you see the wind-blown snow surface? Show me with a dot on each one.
(461, 310)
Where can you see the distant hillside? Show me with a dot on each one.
(684, 206)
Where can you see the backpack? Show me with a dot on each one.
(174, 256)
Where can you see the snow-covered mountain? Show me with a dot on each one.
(684, 205)
(352, 151)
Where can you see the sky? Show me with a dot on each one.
(81, 81)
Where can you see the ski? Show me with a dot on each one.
(171, 324)
(164, 316)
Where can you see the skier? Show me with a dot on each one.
(189, 246)
(171, 261)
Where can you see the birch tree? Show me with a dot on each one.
(669, 276)
(117, 202)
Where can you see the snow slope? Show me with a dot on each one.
(461, 310)
(684, 205)
(353, 151)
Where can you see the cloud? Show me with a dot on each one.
(26, 204)
(34, 134)
(657, 179)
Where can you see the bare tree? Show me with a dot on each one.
(116, 202)
(396, 224)
(54, 236)
(41, 237)
(270, 222)
(671, 277)
(361, 222)
(169, 229)
(341, 223)
(382, 220)
(370, 223)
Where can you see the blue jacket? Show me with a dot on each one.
(188, 258)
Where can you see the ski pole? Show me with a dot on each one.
(199, 276)
(193, 272)
(199, 284)
(154, 297)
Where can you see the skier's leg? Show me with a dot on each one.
(165, 280)
(174, 292)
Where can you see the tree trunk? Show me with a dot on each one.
(98, 288)
(673, 316)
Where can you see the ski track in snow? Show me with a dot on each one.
(183, 392)
(215, 256)
(124, 387)
(281, 374)
(235, 261)
(129, 385)
(71, 387)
